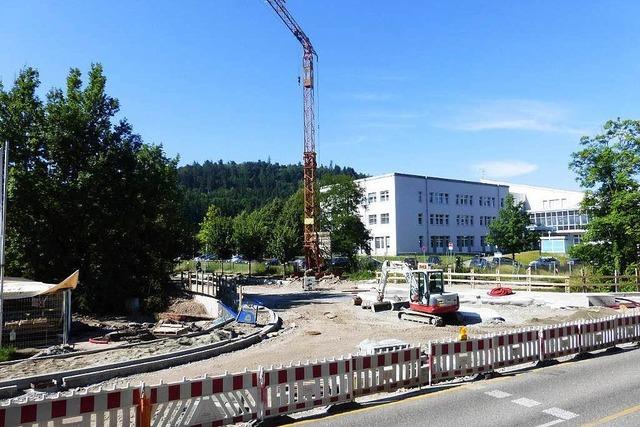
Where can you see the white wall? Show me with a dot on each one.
(544, 198)
(411, 200)
(377, 185)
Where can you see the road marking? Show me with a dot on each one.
(551, 423)
(615, 416)
(560, 413)
(373, 406)
(528, 403)
(498, 394)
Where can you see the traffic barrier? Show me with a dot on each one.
(304, 386)
(219, 400)
(516, 348)
(266, 393)
(115, 407)
(387, 371)
(559, 341)
(598, 334)
(628, 328)
(448, 360)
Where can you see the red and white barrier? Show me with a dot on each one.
(209, 401)
(387, 371)
(598, 334)
(448, 360)
(628, 328)
(297, 388)
(115, 407)
(559, 341)
(516, 348)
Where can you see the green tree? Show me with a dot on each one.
(250, 234)
(607, 166)
(216, 233)
(85, 192)
(286, 239)
(509, 230)
(339, 201)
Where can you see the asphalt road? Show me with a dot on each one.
(601, 390)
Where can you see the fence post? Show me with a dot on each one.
(143, 409)
(529, 279)
(637, 282)
(449, 276)
(584, 279)
(615, 280)
(473, 280)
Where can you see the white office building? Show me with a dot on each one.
(554, 213)
(413, 213)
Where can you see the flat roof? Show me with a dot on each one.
(427, 177)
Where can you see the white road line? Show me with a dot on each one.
(560, 413)
(528, 403)
(497, 394)
(551, 423)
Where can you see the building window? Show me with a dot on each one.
(464, 199)
(384, 196)
(379, 242)
(502, 202)
(493, 202)
(439, 198)
(373, 219)
(419, 196)
(371, 197)
(387, 241)
(439, 242)
(419, 219)
(464, 241)
(420, 242)
(384, 218)
(464, 220)
(430, 197)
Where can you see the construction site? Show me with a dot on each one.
(245, 349)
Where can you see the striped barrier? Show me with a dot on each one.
(116, 407)
(448, 360)
(559, 341)
(599, 334)
(628, 328)
(265, 393)
(387, 371)
(209, 401)
(301, 387)
(516, 348)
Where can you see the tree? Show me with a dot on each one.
(339, 201)
(216, 233)
(509, 230)
(85, 192)
(286, 238)
(607, 166)
(250, 234)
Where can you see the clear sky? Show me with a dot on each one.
(446, 88)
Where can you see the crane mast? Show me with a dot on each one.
(311, 245)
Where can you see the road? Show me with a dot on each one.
(601, 390)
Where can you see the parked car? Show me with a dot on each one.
(238, 259)
(339, 261)
(271, 261)
(544, 262)
(435, 260)
(479, 263)
(503, 260)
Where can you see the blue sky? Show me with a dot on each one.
(453, 89)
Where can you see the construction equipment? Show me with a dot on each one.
(311, 246)
(377, 298)
(428, 301)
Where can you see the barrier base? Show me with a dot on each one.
(545, 363)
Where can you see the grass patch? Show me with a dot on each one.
(7, 353)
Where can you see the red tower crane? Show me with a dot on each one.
(311, 246)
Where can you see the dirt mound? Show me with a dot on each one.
(188, 307)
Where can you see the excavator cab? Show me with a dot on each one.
(425, 284)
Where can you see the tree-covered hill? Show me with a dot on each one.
(234, 187)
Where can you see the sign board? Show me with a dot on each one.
(450, 246)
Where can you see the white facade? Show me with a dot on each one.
(414, 213)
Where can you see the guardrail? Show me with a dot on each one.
(266, 393)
